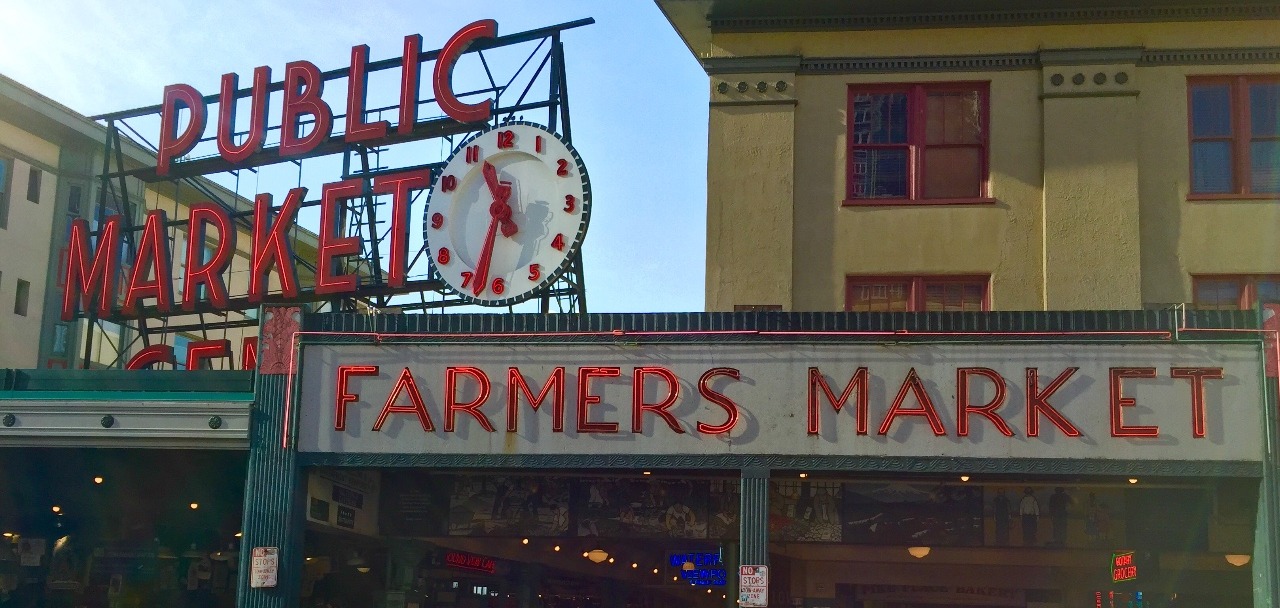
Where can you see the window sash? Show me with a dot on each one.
(1234, 292)
(917, 146)
(897, 293)
(1241, 140)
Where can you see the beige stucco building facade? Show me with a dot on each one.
(43, 140)
(1086, 199)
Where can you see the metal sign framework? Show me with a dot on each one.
(364, 217)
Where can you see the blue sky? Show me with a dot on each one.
(638, 100)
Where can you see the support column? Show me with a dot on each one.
(530, 575)
(274, 493)
(754, 519)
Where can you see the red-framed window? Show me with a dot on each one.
(1234, 127)
(918, 143)
(898, 293)
(1235, 292)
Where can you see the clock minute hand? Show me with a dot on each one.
(486, 255)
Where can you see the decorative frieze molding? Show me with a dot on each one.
(939, 63)
(1034, 61)
(1210, 56)
(997, 18)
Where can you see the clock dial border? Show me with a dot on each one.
(573, 245)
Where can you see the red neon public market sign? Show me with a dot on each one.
(91, 271)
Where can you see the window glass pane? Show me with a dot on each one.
(1264, 166)
(20, 300)
(879, 297)
(1217, 294)
(880, 118)
(952, 297)
(1269, 291)
(953, 118)
(60, 334)
(1211, 110)
(4, 174)
(180, 344)
(879, 173)
(73, 200)
(33, 185)
(1211, 167)
(1264, 108)
(953, 172)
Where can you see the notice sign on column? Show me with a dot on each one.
(264, 567)
(753, 586)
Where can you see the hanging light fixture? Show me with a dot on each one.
(1238, 559)
(597, 555)
(918, 552)
(687, 566)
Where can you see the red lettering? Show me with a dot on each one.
(151, 355)
(443, 76)
(202, 272)
(271, 246)
(586, 399)
(83, 280)
(332, 245)
(153, 259)
(639, 407)
(257, 133)
(249, 353)
(1197, 376)
(357, 81)
(1038, 403)
(303, 91)
(515, 382)
(451, 404)
(406, 383)
(912, 384)
(172, 145)
(718, 398)
(199, 354)
(411, 66)
(857, 383)
(343, 396)
(1119, 401)
(399, 185)
(988, 411)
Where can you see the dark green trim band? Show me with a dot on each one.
(867, 464)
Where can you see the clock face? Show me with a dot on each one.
(507, 214)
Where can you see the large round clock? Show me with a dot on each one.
(507, 214)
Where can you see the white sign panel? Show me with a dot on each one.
(753, 586)
(1084, 401)
(264, 565)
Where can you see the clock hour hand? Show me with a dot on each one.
(501, 192)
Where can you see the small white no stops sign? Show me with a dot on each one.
(753, 586)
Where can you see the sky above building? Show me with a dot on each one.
(638, 99)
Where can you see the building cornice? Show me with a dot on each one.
(763, 64)
(1006, 18)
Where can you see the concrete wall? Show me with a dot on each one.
(1090, 181)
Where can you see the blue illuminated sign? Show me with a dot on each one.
(700, 568)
